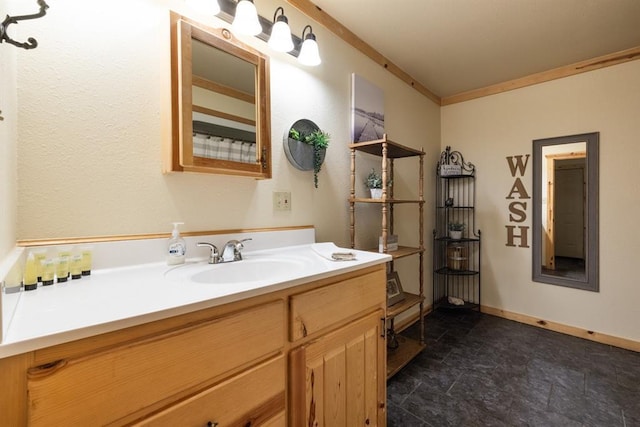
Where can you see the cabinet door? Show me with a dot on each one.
(339, 379)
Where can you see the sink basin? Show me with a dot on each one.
(245, 271)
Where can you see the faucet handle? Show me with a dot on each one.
(237, 254)
(240, 242)
(214, 257)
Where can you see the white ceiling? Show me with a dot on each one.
(452, 46)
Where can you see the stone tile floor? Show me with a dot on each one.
(481, 370)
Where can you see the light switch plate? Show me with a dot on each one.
(281, 201)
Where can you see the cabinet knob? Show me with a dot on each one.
(212, 424)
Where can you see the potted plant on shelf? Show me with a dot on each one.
(374, 184)
(455, 230)
(319, 141)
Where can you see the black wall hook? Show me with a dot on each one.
(31, 43)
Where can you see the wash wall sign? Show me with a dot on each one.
(518, 235)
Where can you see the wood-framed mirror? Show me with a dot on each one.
(565, 211)
(220, 103)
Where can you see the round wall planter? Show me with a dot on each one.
(300, 154)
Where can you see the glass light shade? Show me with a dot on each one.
(280, 39)
(246, 20)
(309, 52)
(205, 7)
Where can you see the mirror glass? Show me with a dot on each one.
(220, 103)
(565, 211)
(223, 105)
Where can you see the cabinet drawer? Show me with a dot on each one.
(253, 397)
(105, 387)
(320, 308)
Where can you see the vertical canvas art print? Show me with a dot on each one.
(367, 110)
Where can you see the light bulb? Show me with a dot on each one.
(309, 52)
(246, 19)
(280, 39)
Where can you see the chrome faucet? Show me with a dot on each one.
(232, 250)
(214, 257)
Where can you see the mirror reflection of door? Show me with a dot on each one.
(565, 206)
(569, 205)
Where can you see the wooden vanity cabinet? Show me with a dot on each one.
(237, 364)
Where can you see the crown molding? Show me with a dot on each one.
(545, 76)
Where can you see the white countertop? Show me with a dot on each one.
(112, 299)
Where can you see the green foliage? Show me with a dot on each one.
(374, 179)
(456, 226)
(294, 134)
(319, 140)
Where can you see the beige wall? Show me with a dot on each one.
(8, 128)
(487, 130)
(94, 113)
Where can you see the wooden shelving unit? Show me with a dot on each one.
(389, 152)
(400, 357)
(402, 306)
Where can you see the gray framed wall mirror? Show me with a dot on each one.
(220, 103)
(565, 211)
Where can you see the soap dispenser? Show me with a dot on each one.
(176, 247)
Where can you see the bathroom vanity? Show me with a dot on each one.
(307, 348)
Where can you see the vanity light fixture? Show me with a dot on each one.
(246, 19)
(31, 43)
(205, 7)
(280, 39)
(232, 11)
(309, 52)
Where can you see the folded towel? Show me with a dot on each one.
(333, 253)
(455, 301)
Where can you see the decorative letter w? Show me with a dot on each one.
(518, 165)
